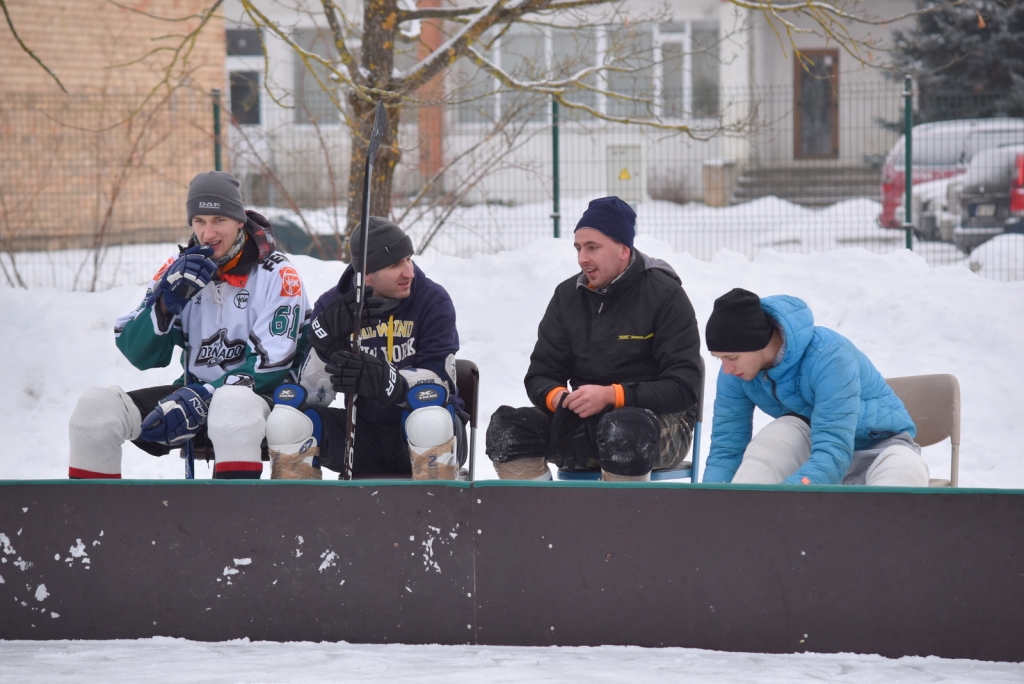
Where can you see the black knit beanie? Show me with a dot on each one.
(215, 193)
(738, 323)
(388, 244)
(611, 216)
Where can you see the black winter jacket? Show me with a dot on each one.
(641, 334)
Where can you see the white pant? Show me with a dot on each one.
(782, 446)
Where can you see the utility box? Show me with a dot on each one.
(625, 166)
(719, 180)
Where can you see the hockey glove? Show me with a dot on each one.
(332, 328)
(185, 277)
(178, 416)
(367, 376)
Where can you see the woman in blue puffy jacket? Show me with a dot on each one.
(836, 420)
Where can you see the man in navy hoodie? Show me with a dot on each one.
(410, 419)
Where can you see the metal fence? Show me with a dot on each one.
(803, 169)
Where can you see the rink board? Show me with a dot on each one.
(771, 570)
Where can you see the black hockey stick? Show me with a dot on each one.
(380, 120)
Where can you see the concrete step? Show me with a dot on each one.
(808, 186)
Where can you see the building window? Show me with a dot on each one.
(669, 71)
(245, 97)
(314, 104)
(244, 43)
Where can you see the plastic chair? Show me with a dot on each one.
(467, 379)
(687, 469)
(933, 401)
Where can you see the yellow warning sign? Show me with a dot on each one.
(624, 174)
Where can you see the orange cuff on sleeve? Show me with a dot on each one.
(620, 396)
(550, 399)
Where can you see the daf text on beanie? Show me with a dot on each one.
(738, 323)
(388, 244)
(215, 193)
(611, 216)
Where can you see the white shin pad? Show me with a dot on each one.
(236, 424)
(776, 452)
(898, 466)
(103, 420)
(291, 444)
(432, 447)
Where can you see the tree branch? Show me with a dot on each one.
(26, 49)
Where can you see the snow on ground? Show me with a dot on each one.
(908, 317)
(176, 661)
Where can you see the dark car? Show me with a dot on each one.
(940, 150)
(992, 197)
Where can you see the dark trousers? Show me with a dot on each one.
(574, 443)
(381, 448)
(146, 400)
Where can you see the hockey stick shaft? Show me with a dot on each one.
(189, 448)
(379, 123)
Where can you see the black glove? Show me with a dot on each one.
(562, 422)
(367, 376)
(332, 328)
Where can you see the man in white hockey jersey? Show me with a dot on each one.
(237, 308)
(410, 417)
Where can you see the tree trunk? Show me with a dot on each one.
(377, 61)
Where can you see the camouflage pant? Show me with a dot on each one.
(528, 432)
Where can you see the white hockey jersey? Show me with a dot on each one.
(246, 330)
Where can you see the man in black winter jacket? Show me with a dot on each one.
(623, 336)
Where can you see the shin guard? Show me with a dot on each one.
(294, 436)
(236, 426)
(627, 444)
(103, 420)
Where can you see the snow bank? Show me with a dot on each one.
(908, 317)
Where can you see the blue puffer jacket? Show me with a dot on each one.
(823, 377)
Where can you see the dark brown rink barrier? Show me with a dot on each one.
(757, 569)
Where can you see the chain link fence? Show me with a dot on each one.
(93, 191)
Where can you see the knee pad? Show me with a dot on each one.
(776, 452)
(627, 443)
(517, 433)
(103, 420)
(898, 466)
(236, 426)
(432, 444)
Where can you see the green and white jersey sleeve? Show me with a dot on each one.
(242, 330)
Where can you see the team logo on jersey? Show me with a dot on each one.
(160, 273)
(242, 299)
(291, 284)
(218, 350)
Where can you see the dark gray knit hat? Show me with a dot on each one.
(388, 244)
(214, 193)
(738, 323)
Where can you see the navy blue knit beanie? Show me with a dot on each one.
(611, 216)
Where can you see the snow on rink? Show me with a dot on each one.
(909, 317)
(176, 661)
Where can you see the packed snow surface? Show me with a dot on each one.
(177, 661)
(908, 317)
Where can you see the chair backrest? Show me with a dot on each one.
(467, 377)
(933, 401)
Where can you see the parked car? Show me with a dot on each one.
(992, 197)
(940, 150)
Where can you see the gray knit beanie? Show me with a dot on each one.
(388, 244)
(215, 193)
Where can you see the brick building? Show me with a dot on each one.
(109, 160)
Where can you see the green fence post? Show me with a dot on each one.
(908, 138)
(216, 130)
(555, 216)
